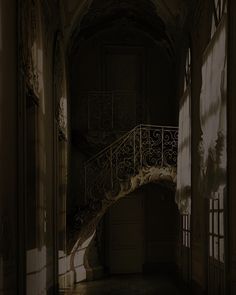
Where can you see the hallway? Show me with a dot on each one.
(117, 147)
(129, 285)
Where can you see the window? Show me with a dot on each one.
(186, 230)
(216, 228)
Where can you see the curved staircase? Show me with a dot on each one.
(147, 153)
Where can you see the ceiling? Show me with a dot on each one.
(172, 12)
(158, 17)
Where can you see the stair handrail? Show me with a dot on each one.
(125, 136)
(138, 151)
(109, 146)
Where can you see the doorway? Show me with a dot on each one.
(141, 233)
(126, 235)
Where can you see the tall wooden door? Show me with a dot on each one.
(126, 235)
(124, 75)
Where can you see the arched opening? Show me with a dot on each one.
(122, 74)
(141, 232)
(138, 237)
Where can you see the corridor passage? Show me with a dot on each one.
(129, 285)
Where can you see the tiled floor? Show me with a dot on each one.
(128, 285)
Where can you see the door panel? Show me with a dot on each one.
(126, 235)
(124, 70)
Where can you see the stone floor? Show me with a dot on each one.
(129, 285)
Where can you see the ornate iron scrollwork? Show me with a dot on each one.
(108, 110)
(145, 154)
(145, 146)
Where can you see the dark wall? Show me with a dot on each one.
(8, 148)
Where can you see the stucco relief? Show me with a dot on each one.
(60, 89)
(30, 33)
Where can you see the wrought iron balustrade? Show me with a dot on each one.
(109, 110)
(143, 147)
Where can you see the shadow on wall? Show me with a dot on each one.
(36, 271)
(80, 267)
(76, 265)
